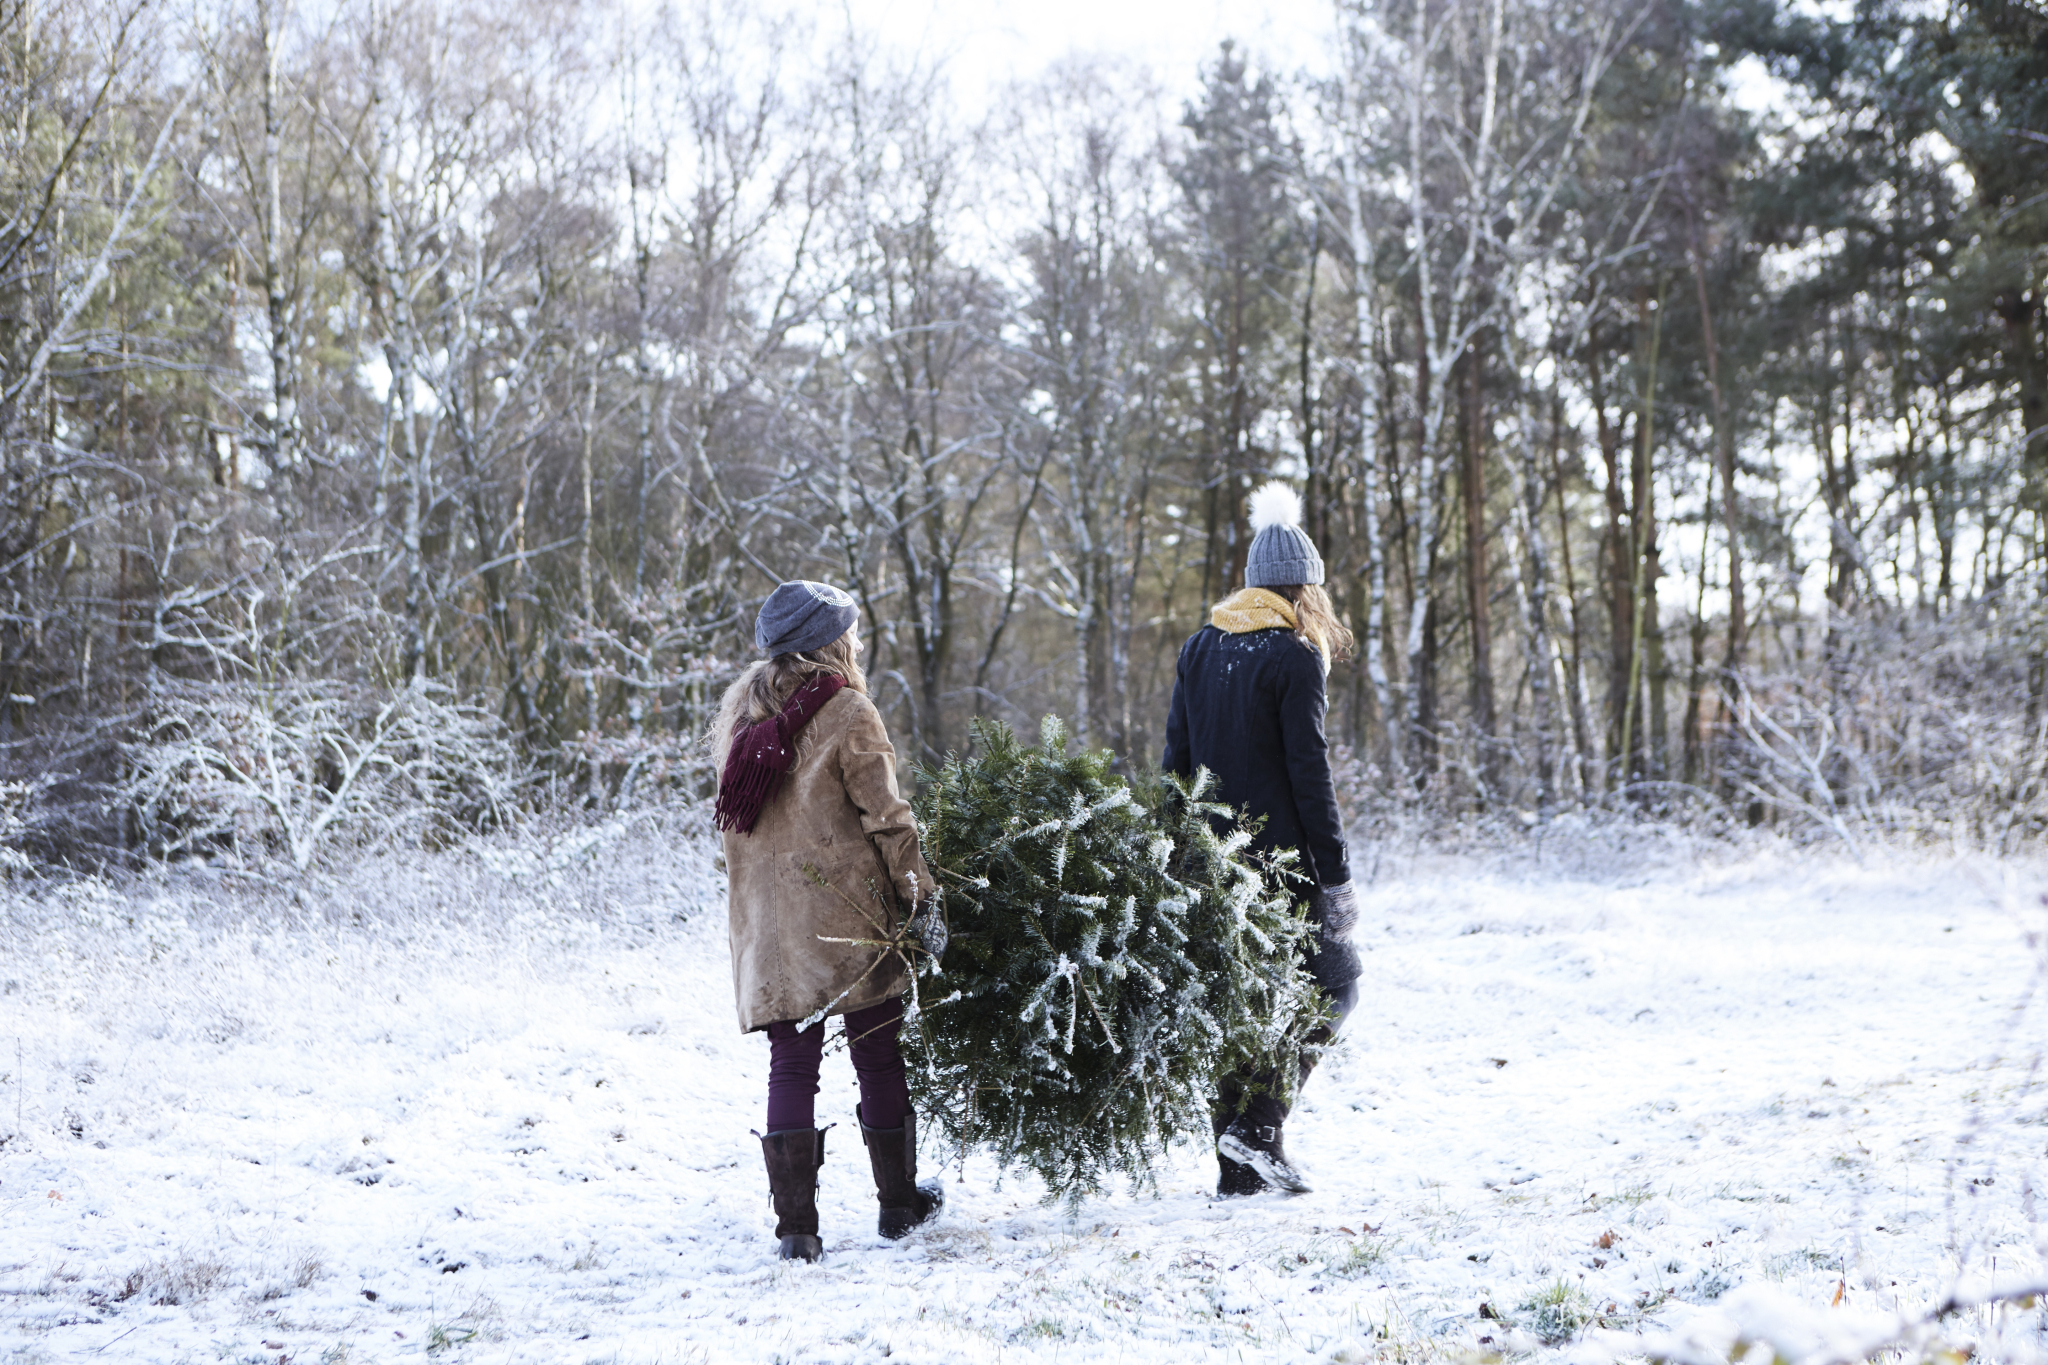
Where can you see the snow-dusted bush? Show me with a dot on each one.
(654, 649)
(1905, 727)
(1891, 727)
(543, 882)
(285, 769)
(1394, 829)
(13, 796)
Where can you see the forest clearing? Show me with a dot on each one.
(502, 1108)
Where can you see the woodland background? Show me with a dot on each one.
(405, 407)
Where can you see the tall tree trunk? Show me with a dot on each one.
(1838, 468)
(1643, 554)
(1215, 555)
(1421, 652)
(1546, 667)
(1316, 516)
(284, 417)
(1657, 667)
(644, 385)
(399, 352)
(641, 622)
(2020, 312)
(1365, 299)
(1478, 597)
(586, 584)
(1127, 625)
(1724, 460)
(1575, 670)
(1617, 538)
(1945, 502)
(935, 617)
(1426, 741)
(1692, 730)
(1422, 611)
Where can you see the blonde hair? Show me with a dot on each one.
(764, 685)
(1315, 621)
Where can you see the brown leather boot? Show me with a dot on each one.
(794, 1156)
(905, 1203)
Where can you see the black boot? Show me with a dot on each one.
(1257, 1146)
(794, 1156)
(1253, 1139)
(1249, 1151)
(1235, 1179)
(905, 1203)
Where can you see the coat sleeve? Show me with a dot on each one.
(1302, 707)
(1177, 760)
(867, 765)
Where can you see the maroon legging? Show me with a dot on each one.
(794, 1056)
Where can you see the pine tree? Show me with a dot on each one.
(1112, 956)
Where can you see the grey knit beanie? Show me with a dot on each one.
(803, 615)
(1282, 555)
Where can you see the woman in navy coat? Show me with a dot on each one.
(1249, 698)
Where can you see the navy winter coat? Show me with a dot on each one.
(1249, 708)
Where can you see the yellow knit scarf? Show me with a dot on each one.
(1252, 609)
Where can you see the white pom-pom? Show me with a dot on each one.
(1275, 504)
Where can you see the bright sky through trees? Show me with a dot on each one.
(985, 42)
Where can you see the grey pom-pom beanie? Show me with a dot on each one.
(1282, 555)
(803, 615)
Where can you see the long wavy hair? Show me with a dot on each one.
(1315, 621)
(760, 691)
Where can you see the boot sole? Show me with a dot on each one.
(1278, 1174)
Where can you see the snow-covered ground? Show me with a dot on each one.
(491, 1105)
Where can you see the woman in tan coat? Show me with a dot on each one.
(823, 863)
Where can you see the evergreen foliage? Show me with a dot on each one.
(1111, 957)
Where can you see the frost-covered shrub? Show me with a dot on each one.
(1906, 726)
(1394, 828)
(285, 769)
(1901, 727)
(13, 796)
(547, 886)
(654, 749)
(125, 921)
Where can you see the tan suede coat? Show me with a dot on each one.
(833, 856)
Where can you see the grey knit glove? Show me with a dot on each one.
(1336, 909)
(928, 926)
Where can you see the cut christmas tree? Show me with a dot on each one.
(1113, 955)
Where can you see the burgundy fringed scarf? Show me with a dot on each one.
(763, 753)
